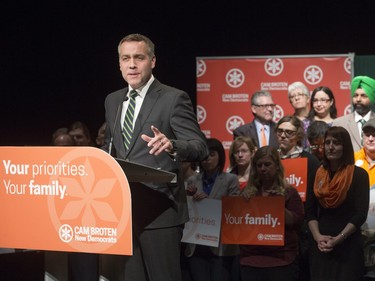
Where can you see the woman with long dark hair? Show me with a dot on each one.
(335, 210)
(323, 106)
(212, 263)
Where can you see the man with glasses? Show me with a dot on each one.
(365, 157)
(262, 129)
(363, 98)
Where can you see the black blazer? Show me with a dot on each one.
(250, 130)
(171, 111)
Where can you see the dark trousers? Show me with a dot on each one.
(205, 266)
(156, 255)
(279, 273)
(83, 267)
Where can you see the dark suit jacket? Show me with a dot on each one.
(171, 111)
(250, 130)
(348, 122)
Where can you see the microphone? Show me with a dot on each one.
(114, 125)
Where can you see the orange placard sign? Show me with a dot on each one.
(258, 221)
(296, 174)
(74, 199)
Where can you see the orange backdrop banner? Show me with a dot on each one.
(225, 86)
(74, 199)
(296, 174)
(258, 221)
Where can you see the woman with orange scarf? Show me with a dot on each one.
(335, 210)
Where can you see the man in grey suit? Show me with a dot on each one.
(164, 132)
(363, 99)
(262, 107)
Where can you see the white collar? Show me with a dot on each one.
(143, 89)
(358, 117)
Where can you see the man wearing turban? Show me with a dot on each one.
(363, 98)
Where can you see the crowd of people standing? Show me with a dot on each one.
(323, 235)
(328, 239)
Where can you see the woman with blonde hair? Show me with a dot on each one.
(271, 263)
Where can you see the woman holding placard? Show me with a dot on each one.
(269, 263)
(212, 263)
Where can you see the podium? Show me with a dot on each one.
(142, 173)
(45, 190)
(111, 267)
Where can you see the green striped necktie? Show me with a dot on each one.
(127, 131)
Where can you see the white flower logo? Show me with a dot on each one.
(348, 65)
(313, 74)
(278, 113)
(201, 114)
(66, 233)
(201, 68)
(274, 66)
(235, 78)
(233, 122)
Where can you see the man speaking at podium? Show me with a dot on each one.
(152, 124)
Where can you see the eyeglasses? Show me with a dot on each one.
(369, 133)
(264, 106)
(288, 133)
(320, 100)
(298, 95)
(316, 146)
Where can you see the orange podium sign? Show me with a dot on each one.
(258, 221)
(296, 174)
(74, 199)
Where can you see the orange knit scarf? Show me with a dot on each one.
(331, 193)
